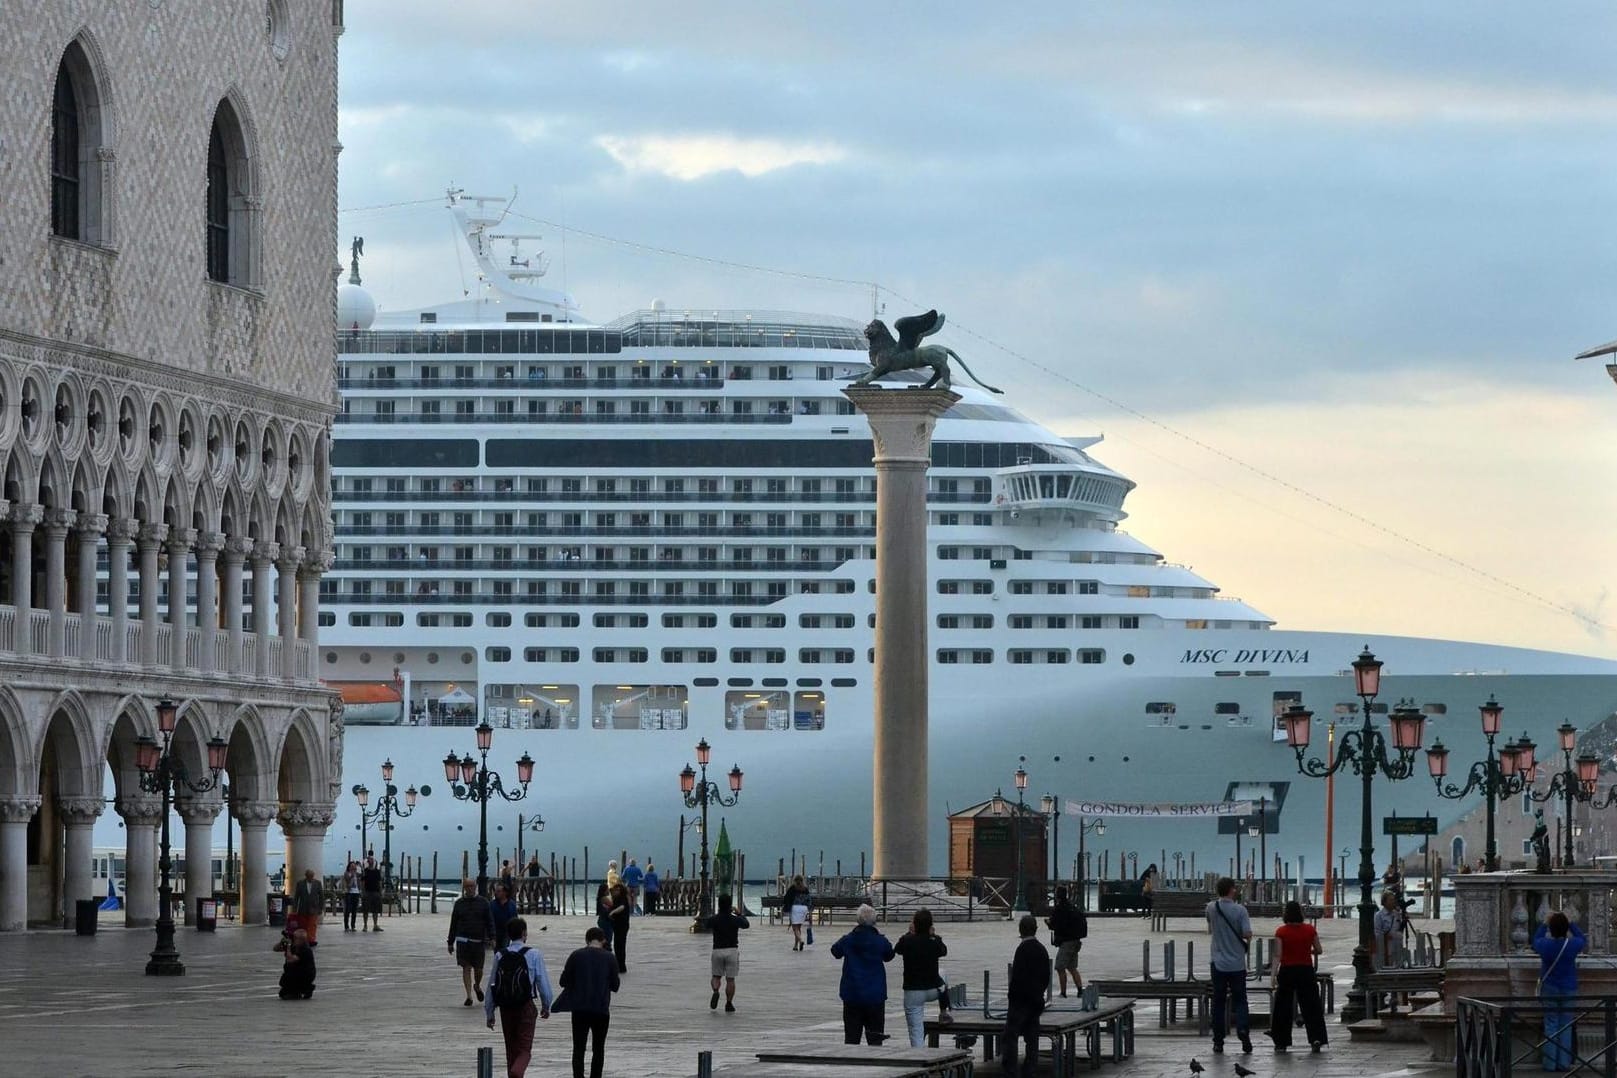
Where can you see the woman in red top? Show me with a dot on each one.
(1297, 944)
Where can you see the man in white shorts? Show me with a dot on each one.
(726, 928)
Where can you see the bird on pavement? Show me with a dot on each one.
(1242, 1072)
(1195, 1067)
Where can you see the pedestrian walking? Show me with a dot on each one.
(725, 928)
(613, 876)
(1231, 931)
(502, 908)
(1148, 887)
(1024, 1000)
(1558, 942)
(603, 912)
(1296, 984)
(508, 876)
(1069, 927)
(297, 968)
(1389, 932)
(588, 980)
(652, 887)
(516, 980)
(921, 948)
(471, 929)
(370, 895)
(308, 902)
(618, 914)
(795, 903)
(864, 979)
(350, 896)
(633, 877)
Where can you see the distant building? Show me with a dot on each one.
(166, 393)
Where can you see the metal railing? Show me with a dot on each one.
(1494, 1037)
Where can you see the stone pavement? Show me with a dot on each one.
(390, 1004)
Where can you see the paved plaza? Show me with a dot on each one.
(390, 1004)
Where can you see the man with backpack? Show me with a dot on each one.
(517, 978)
(1068, 929)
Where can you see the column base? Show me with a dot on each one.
(1356, 1006)
(165, 958)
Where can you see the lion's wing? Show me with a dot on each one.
(913, 328)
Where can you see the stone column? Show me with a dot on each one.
(305, 828)
(264, 555)
(120, 535)
(149, 543)
(309, 606)
(142, 815)
(15, 812)
(198, 816)
(236, 550)
(286, 579)
(24, 518)
(901, 422)
(78, 818)
(254, 817)
(58, 522)
(209, 544)
(91, 527)
(180, 541)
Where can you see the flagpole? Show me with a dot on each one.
(1330, 821)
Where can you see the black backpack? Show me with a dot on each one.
(513, 985)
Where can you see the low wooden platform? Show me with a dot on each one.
(933, 1061)
(1112, 1021)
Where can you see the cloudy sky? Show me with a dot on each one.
(1316, 275)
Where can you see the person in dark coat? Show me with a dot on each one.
(1068, 928)
(620, 908)
(920, 949)
(502, 909)
(589, 978)
(471, 930)
(1030, 978)
(864, 979)
(297, 971)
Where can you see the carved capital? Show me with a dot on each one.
(106, 154)
(197, 811)
(254, 813)
(19, 809)
(25, 516)
(209, 544)
(92, 524)
(321, 562)
(151, 535)
(265, 553)
(307, 821)
(140, 811)
(80, 810)
(122, 530)
(237, 547)
(59, 521)
(180, 541)
(291, 557)
(901, 420)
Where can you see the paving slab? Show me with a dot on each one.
(390, 1003)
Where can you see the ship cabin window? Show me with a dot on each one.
(758, 710)
(1091, 656)
(1435, 709)
(497, 655)
(640, 707)
(780, 373)
(982, 587)
(948, 553)
(1227, 708)
(1195, 623)
(981, 656)
(740, 374)
(1158, 707)
(1129, 621)
(1021, 587)
(690, 655)
(946, 587)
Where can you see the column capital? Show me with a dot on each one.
(209, 544)
(122, 530)
(81, 810)
(197, 811)
(254, 813)
(94, 523)
(141, 810)
(59, 520)
(265, 552)
(307, 820)
(152, 535)
(237, 547)
(181, 539)
(291, 557)
(901, 420)
(25, 516)
(316, 562)
(19, 808)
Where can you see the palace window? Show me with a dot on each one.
(77, 142)
(231, 202)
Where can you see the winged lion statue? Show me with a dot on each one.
(908, 353)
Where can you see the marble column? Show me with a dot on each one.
(24, 518)
(901, 422)
(91, 527)
(149, 543)
(264, 555)
(58, 522)
(236, 550)
(305, 828)
(209, 544)
(254, 817)
(15, 812)
(120, 536)
(78, 819)
(180, 541)
(142, 816)
(286, 580)
(198, 815)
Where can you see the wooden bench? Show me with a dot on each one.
(1166, 904)
(1061, 1028)
(813, 1070)
(1123, 895)
(1393, 983)
(933, 1062)
(1196, 995)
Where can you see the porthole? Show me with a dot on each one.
(1128, 658)
(364, 657)
(432, 658)
(398, 657)
(331, 657)
(467, 658)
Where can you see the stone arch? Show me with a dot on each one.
(175, 510)
(286, 523)
(15, 776)
(82, 130)
(116, 500)
(72, 744)
(250, 762)
(21, 482)
(85, 495)
(261, 521)
(233, 519)
(233, 195)
(132, 720)
(300, 774)
(193, 727)
(54, 492)
(204, 510)
(147, 506)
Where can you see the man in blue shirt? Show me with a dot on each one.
(652, 885)
(1231, 931)
(1558, 943)
(517, 1021)
(632, 878)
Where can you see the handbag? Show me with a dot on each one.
(562, 1002)
(809, 936)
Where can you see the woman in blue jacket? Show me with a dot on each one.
(864, 979)
(1558, 943)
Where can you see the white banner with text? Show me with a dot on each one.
(1160, 810)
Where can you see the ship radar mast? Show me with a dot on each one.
(510, 277)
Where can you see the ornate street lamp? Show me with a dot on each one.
(163, 772)
(1021, 880)
(1050, 806)
(1366, 751)
(1097, 825)
(385, 810)
(700, 792)
(1575, 783)
(536, 824)
(471, 780)
(1502, 774)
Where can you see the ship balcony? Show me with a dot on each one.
(1036, 487)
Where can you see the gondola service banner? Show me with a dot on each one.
(1160, 810)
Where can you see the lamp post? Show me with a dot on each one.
(1240, 866)
(1366, 752)
(163, 772)
(1501, 774)
(1097, 825)
(1575, 783)
(471, 780)
(534, 823)
(1021, 879)
(700, 792)
(1050, 805)
(385, 810)
(1252, 832)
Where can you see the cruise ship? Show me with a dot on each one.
(612, 539)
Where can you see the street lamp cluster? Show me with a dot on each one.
(163, 772)
(385, 810)
(471, 780)
(699, 792)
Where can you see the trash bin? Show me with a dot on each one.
(276, 905)
(207, 914)
(84, 914)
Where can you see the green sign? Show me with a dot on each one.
(1409, 825)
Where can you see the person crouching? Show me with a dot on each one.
(297, 971)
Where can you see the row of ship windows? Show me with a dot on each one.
(581, 341)
(806, 656)
(360, 373)
(1281, 701)
(638, 486)
(477, 410)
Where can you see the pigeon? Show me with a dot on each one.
(1195, 1067)
(1242, 1072)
